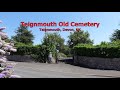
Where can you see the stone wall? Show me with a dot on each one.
(19, 58)
(98, 63)
(24, 58)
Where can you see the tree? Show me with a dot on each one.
(66, 50)
(6, 68)
(115, 36)
(53, 41)
(115, 43)
(8, 40)
(23, 35)
(79, 37)
(104, 43)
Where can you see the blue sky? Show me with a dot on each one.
(109, 21)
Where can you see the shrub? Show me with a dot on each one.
(61, 55)
(38, 52)
(106, 51)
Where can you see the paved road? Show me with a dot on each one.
(61, 70)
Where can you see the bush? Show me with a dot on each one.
(66, 50)
(61, 55)
(38, 52)
(106, 51)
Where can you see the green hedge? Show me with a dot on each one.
(97, 51)
(39, 52)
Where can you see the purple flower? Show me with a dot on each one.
(7, 69)
(2, 75)
(12, 49)
(2, 51)
(2, 28)
(1, 44)
(7, 73)
(15, 76)
(2, 61)
(9, 66)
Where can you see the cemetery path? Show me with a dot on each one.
(60, 70)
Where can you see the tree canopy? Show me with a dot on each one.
(23, 35)
(115, 36)
(78, 38)
(53, 40)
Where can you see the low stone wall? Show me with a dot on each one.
(19, 58)
(24, 58)
(98, 63)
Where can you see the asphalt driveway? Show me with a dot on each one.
(60, 70)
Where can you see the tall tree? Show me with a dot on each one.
(115, 36)
(79, 37)
(23, 35)
(53, 40)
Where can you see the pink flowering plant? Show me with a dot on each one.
(6, 68)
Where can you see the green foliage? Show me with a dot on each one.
(78, 38)
(115, 36)
(66, 50)
(18, 44)
(7, 40)
(85, 45)
(106, 51)
(23, 35)
(110, 44)
(104, 43)
(61, 55)
(38, 52)
(53, 41)
(115, 43)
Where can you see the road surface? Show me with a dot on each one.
(60, 70)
